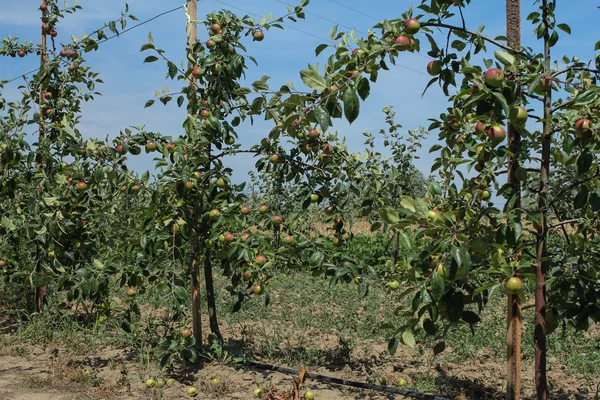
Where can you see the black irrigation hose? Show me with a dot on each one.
(339, 381)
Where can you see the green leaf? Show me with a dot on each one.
(409, 339)
(564, 27)
(581, 198)
(149, 103)
(437, 286)
(320, 49)
(584, 162)
(505, 57)
(439, 347)
(407, 202)
(150, 59)
(313, 78)
(421, 208)
(405, 240)
(375, 226)
(351, 105)
(389, 216)
(470, 317)
(502, 101)
(393, 345)
(455, 307)
(585, 97)
(363, 88)
(322, 117)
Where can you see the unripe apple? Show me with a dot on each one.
(192, 390)
(214, 213)
(494, 77)
(274, 158)
(288, 239)
(258, 36)
(497, 133)
(514, 285)
(247, 276)
(412, 25)
(130, 292)
(518, 115)
(257, 289)
(229, 140)
(123, 188)
(260, 260)
(434, 67)
(215, 381)
(221, 238)
(246, 210)
(265, 142)
(186, 332)
(441, 271)
(222, 183)
(82, 186)
(434, 215)
(263, 209)
(485, 195)
(277, 220)
(394, 285)
(150, 146)
(170, 381)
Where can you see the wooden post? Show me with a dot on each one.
(192, 31)
(513, 353)
(41, 292)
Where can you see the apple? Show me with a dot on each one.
(257, 392)
(434, 67)
(72, 67)
(518, 115)
(229, 140)
(485, 195)
(136, 188)
(441, 271)
(245, 210)
(545, 85)
(260, 260)
(497, 133)
(329, 210)
(53, 33)
(401, 382)
(256, 289)
(48, 111)
(263, 209)
(210, 43)
(314, 198)
(192, 391)
(170, 381)
(123, 188)
(325, 158)
(229, 237)
(189, 185)
(119, 149)
(214, 213)
(434, 215)
(21, 53)
(454, 124)
(221, 238)
(197, 72)
(494, 77)
(277, 220)
(160, 383)
(169, 146)
(582, 127)
(51, 254)
(258, 36)
(204, 113)
(215, 27)
(265, 142)
(186, 332)
(82, 186)
(247, 276)
(403, 42)
(327, 149)
(72, 53)
(313, 133)
(43, 7)
(412, 26)
(296, 123)
(514, 285)
(197, 174)
(337, 241)
(150, 146)
(2, 263)
(288, 239)
(45, 27)
(215, 381)
(63, 53)
(245, 237)
(221, 183)
(394, 285)
(274, 158)
(150, 383)
(460, 139)
(480, 127)
(309, 395)
(130, 292)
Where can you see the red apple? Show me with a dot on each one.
(204, 113)
(412, 25)
(480, 127)
(186, 332)
(245, 237)
(327, 149)
(210, 43)
(229, 237)
(313, 133)
(257, 289)
(197, 72)
(496, 133)
(245, 210)
(403, 42)
(53, 33)
(215, 28)
(189, 185)
(81, 186)
(150, 146)
(258, 36)
(277, 220)
(130, 292)
(494, 77)
(119, 149)
(263, 209)
(169, 146)
(296, 123)
(434, 67)
(21, 53)
(265, 142)
(260, 260)
(43, 7)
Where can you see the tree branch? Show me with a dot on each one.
(487, 39)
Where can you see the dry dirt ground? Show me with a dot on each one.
(55, 374)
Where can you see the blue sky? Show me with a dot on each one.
(129, 83)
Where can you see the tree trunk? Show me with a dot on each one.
(513, 353)
(539, 334)
(210, 296)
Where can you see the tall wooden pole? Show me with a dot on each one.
(513, 340)
(192, 31)
(41, 291)
(541, 265)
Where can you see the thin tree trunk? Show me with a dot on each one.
(513, 353)
(539, 335)
(192, 29)
(396, 246)
(41, 292)
(276, 235)
(210, 296)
